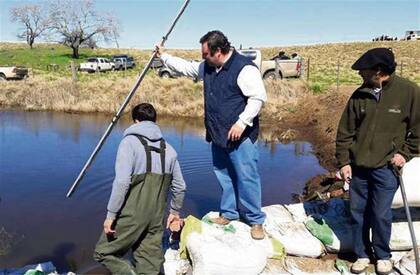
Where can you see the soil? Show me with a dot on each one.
(315, 120)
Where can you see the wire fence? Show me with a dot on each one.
(319, 75)
(336, 73)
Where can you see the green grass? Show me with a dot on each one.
(41, 56)
(323, 60)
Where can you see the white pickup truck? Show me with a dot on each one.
(286, 68)
(96, 64)
(13, 72)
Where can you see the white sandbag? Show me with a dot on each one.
(218, 254)
(407, 265)
(226, 250)
(279, 211)
(294, 236)
(174, 265)
(400, 235)
(411, 179)
(297, 210)
(330, 222)
(332, 210)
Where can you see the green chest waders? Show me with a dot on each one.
(139, 225)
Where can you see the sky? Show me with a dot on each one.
(250, 23)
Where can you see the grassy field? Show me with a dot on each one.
(326, 62)
(104, 92)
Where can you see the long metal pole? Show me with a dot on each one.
(125, 103)
(409, 221)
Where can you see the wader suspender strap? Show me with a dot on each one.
(148, 150)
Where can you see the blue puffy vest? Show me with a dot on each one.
(224, 102)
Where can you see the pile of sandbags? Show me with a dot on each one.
(228, 249)
(330, 222)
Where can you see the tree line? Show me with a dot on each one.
(73, 23)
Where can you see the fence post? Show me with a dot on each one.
(401, 70)
(73, 71)
(338, 74)
(276, 69)
(309, 65)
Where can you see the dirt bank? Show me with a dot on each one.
(316, 118)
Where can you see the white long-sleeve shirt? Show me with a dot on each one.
(249, 81)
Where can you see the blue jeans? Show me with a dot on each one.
(371, 195)
(237, 172)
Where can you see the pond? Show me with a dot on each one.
(41, 153)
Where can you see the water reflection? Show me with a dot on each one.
(41, 153)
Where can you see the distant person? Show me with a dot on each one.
(378, 131)
(281, 55)
(296, 56)
(233, 96)
(146, 170)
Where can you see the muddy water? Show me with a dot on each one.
(41, 153)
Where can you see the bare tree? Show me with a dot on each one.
(34, 22)
(77, 22)
(115, 30)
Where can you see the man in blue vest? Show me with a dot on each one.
(233, 96)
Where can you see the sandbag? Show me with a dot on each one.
(411, 179)
(216, 249)
(329, 222)
(174, 265)
(294, 236)
(400, 236)
(336, 236)
(407, 265)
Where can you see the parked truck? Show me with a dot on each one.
(13, 72)
(285, 67)
(96, 64)
(412, 35)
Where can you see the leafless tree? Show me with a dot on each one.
(77, 22)
(33, 19)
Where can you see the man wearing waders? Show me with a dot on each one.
(146, 169)
(233, 96)
(379, 129)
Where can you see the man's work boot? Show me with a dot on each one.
(220, 220)
(360, 265)
(257, 232)
(384, 267)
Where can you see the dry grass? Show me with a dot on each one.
(324, 59)
(181, 97)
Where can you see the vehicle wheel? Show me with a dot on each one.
(2, 77)
(98, 69)
(120, 68)
(271, 75)
(165, 75)
(112, 68)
